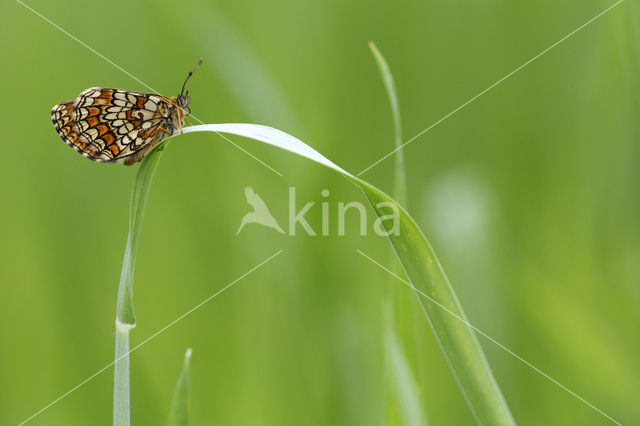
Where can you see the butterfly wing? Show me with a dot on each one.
(120, 123)
(112, 125)
(62, 117)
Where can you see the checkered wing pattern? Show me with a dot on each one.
(112, 125)
(62, 117)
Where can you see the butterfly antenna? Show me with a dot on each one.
(189, 76)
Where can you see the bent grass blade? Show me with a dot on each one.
(457, 340)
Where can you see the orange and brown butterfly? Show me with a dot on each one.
(113, 125)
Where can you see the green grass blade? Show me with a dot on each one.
(400, 181)
(125, 313)
(405, 399)
(404, 404)
(457, 340)
(423, 270)
(125, 316)
(121, 390)
(180, 413)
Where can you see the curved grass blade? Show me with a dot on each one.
(401, 338)
(125, 317)
(423, 270)
(457, 340)
(400, 180)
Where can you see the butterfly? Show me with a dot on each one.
(113, 125)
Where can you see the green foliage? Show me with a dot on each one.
(400, 180)
(528, 196)
(180, 413)
(457, 340)
(125, 317)
(405, 400)
(142, 185)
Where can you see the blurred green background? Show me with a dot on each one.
(529, 196)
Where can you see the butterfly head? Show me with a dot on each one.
(183, 98)
(183, 101)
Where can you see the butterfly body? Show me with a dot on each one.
(113, 125)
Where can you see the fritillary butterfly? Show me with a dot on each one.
(113, 125)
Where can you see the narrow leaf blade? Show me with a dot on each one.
(180, 413)
(457, 340)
